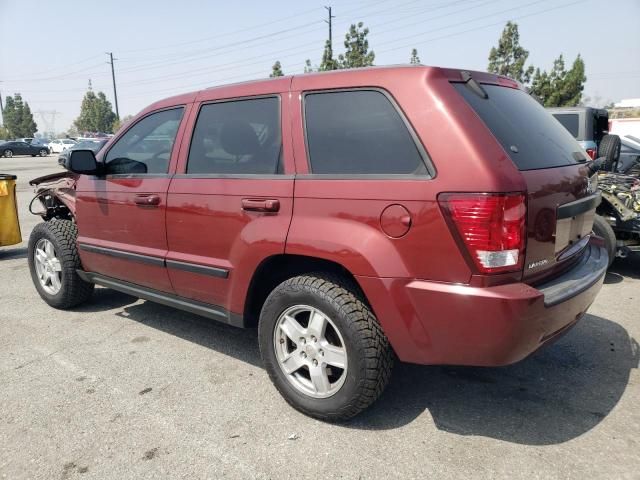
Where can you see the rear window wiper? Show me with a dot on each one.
(473, 85)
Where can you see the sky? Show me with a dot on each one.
(50, 50)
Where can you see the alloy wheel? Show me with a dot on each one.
(48, 267)
(310, 351)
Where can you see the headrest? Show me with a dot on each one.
(238, 137)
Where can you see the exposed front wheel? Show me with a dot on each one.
(323, 347)
(43, 153)
(53, 261)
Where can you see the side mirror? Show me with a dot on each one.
(82, 161)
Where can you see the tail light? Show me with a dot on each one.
(491, 227)
(592, 153)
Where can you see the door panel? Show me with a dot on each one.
(121, 217)
(221, 224)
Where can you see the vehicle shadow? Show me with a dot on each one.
(13, 253)
(555, 395)
(627, 267)
(232, 341)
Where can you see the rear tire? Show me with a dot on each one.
(350, 327)
(609, 148)
(68, 289)
(602, 229)
(8, 153)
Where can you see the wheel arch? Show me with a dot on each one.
(275, 269)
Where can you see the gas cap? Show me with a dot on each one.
(395, 221)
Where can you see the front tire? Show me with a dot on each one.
(43, 153)
(602, 229)
(53, 261)
(323, 347)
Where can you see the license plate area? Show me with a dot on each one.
(574, 221)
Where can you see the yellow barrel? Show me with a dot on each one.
(9, 223)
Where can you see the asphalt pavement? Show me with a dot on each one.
(126, 389)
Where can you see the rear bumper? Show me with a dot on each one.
(441, 323)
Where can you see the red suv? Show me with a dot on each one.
(440, 216)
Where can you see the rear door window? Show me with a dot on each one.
(241, 137)
(359, 132)
(570, 121)
(527, 132)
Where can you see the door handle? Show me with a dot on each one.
(260, 205)
(147, 200)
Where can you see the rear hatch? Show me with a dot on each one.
(561, 200)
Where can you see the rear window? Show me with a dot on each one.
(527, 132)
(570, 121)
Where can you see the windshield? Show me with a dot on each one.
(527, 132)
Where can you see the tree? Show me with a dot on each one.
(560, 87)
(4, 133)
(415, 59)
(28, 125)
(9, 116)
(96, 114)
(276, 70)
(307, 66)
(119, 123)
(356, 46)
(509, 58)
(328, 62)
(18, 119)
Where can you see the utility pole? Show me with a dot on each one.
(113, 76)
(330, 34)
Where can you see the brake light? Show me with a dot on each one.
(592, 153)
(491, 227)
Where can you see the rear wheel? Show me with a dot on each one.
(609, 148)
(602, 229)
(8, 153)
(323, 347)
(53, 261)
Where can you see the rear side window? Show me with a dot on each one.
(358, 132)
(237, 137)
(527, 132)
(570, 121)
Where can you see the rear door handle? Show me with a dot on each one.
(147, 200)
(260, 205)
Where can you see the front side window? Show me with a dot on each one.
(359, 132)
(237, 137)
(145, 147)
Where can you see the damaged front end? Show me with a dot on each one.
(620, 207)
(55, 196)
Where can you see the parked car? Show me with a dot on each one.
(461, 237)
(60, 144)
(587, 125)
(43, 142)
(9, 149)
(88, 144)
(629, 154)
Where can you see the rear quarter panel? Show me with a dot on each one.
(339, 219)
